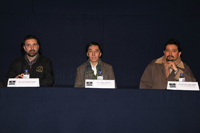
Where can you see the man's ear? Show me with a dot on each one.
(179, 54)
(100, 55)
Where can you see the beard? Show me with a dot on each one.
(32, 55)
(170, 59)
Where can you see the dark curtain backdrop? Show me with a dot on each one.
(132, 32)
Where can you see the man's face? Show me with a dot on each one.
(171, 52)
(31, 47)
(94, 53)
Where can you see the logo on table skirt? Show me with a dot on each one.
(89, 83)
(11, 82)
(39, 69)
(172, 85)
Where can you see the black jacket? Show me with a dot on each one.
(41, 69)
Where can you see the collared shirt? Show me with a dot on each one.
(94, 68)
(33, 61)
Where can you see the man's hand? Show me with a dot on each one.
(20, 75)
(172, 65)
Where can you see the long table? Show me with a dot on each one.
(80, 110)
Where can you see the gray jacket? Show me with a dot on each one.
(106, 69)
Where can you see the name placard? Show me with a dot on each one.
(90, 83)
(175, 85)
(31, 82)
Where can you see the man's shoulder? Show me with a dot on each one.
(153, 62)
(18, 60)
(82, 66)
(185, 65)
(105, 64)
(44, 58)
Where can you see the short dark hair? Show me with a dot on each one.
(94, 43)
(30, 37)
(175, 42)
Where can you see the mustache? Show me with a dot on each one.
(170, 56)
(32, 50)
(169, 59)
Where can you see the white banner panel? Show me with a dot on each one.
(18, 82)
(89, 83)
(175, 85)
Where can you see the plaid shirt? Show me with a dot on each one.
(31, 62)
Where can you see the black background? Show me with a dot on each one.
(132, 32)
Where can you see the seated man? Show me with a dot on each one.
(166, 68)
(91, 68)
(37, 65)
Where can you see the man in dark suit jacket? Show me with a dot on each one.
(37, 65)
(91, 68)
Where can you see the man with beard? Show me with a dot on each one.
(37, 65)
(166, 68)
(91, 68)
